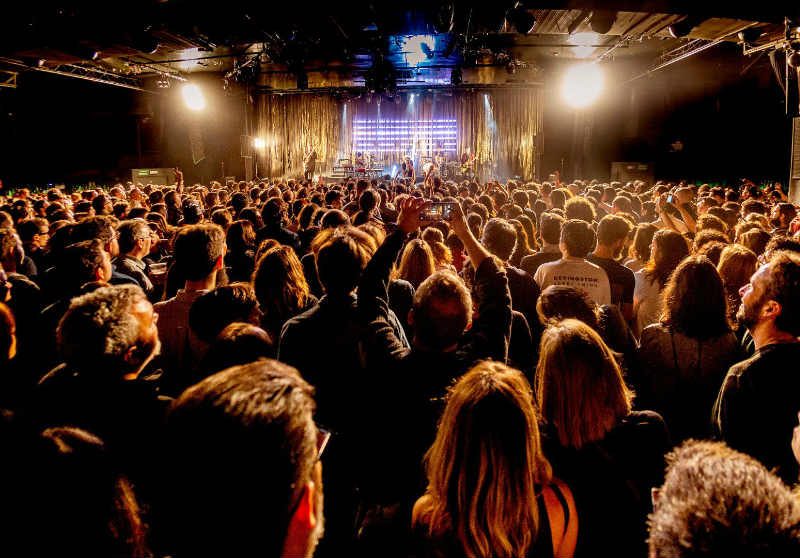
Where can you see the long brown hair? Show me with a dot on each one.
(694, 300)
(416, 263)
(668, 249)
(280, 286)
(485, 465)
(736, 265)
(579, 385)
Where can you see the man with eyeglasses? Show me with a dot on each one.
(242, 471)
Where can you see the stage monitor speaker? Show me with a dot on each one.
(160, 177)
(628, 171)
(794, 169)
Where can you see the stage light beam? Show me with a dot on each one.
(582, 85)
(193, 97)
(259, 143)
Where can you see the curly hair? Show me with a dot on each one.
(717, 502)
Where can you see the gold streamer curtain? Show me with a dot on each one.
(502, 127)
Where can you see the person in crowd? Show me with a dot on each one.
(273, 214)
(756, 409)
(247, 437)
(72, 500)
(240, 241)
(781, 216)
(105, 340)
(135, 241)
(577, 240)
(612, 233)
(668, 249)
(35, 234)
(609, 454)
(736, 265)
(446, 342)
(198, 255)
(213, 311)
(416, 263)
(684, 357)
(500, 237)
(101, 228)
(718, 502)
(550, 230)
(491, 491)
(281, 289)
(238, 343)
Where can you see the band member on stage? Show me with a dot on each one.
(361, 163)
(440, 159)
(309, 162)
(407, 168)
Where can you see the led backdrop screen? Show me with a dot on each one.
(405, 136)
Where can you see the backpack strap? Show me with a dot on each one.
(563, 518)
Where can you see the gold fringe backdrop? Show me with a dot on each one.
(503, 127)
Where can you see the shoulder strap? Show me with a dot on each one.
(563, 518)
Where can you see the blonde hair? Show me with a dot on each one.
(416, 263)
(442, 256)
(485, 465)
(580, 390)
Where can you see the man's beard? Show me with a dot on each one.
(747, 314)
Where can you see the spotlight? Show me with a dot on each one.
(520, 19)
(145, 42)
(794, 59)
(582, 85)
(162, 83)
(601, 21)
(419, 48)
(259, 143)
(193, 97)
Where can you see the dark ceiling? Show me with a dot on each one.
(146, 44)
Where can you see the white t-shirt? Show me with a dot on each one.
(576, 272)
(647, 301)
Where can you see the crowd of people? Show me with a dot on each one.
(288, 368)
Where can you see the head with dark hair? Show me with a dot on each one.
(241, 237)
(694, 300)
(577, 238)
(273, 212)
(131, 234)
(667, 250)
(772, 297)
(334, 218)
(341, 254)
(280, 287)
(83, 262)
(579, 208)
(559, 302)
(215, 310)
(109, 334)
(246, 435)
(613, 231)
(717, 502)
(756, 240)
(642, 239)
(550, 227)
(100, 228)
(238, 343)
(781, 243)
(499, 237)
(441, 312)
(736, 265)
(199, 251)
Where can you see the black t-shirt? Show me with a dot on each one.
(620, 277)
(757, 407)
(530, 264)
